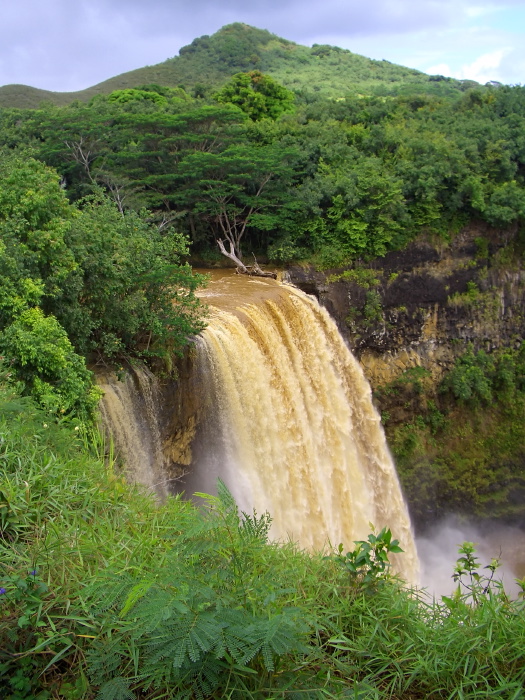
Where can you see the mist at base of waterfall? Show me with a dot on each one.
(438, 552)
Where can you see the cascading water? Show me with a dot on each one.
(289, 423)
(275, 405)
(129, 410)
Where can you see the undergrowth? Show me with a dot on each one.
(463, 449)
(105, 594)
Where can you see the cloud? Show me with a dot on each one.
(440, 69)
(485, 68)
(479, 11)
(64, 45)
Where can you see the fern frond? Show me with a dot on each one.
(104, 659)
(116, 689)
(256, 528)
(204, 677)
(227, 501)
(135, 594)
(277, 636)
(109, 593)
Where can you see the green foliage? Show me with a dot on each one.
(468, 379)
(205, 587)
(455, 654)
(411, 378)
(42, 356)
(83, 280)
(473, 587)
(365, 212)
(368, 173)
(244, 187)
(34, 220)
(478, 377)
(506, 204)
(214, 623)
(54, 495)
(368, 564)
(482, 248)
(464, 449)
(132, 94)
(258, 95)
(373, 308)
(285, 251)
(468, 298)
(364, 277)
(158, 600)
(135, 298)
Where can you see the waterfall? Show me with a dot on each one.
(289, 423)
(130, 413)
(275, 404)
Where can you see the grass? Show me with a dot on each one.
(98, 579)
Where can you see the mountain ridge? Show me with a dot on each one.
(209, 61)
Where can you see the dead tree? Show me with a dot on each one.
(253, 270)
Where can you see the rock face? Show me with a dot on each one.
(181, 410)
(153, 422)
(408, 317)
(422, 306)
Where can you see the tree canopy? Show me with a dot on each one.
(349, 178)
(258, 95)
(83, 282)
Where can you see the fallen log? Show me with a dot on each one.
(242, 269)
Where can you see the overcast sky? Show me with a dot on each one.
(72, 44)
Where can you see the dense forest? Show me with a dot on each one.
(298, 156)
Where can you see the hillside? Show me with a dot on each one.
(209, 61)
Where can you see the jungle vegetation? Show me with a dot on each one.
(106, 594)
(129, 180)
(102, 202)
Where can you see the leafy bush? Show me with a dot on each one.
(89, 280)
(225, 618)
(258, 95)
(368, 564)
(134, 298)
(373, 308)
(477, 377)
(42, 356)
(362, 276)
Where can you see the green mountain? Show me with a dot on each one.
(209, 61)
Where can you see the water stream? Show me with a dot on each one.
(285, 417)
(289, 423)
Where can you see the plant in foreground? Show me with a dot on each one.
(368, 563)
(214, 619)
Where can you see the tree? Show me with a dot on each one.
(83, 281)
(365, 212)
(241, 188)
(42, 356)
(135, 297)
(35, 261)
(258, 95)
